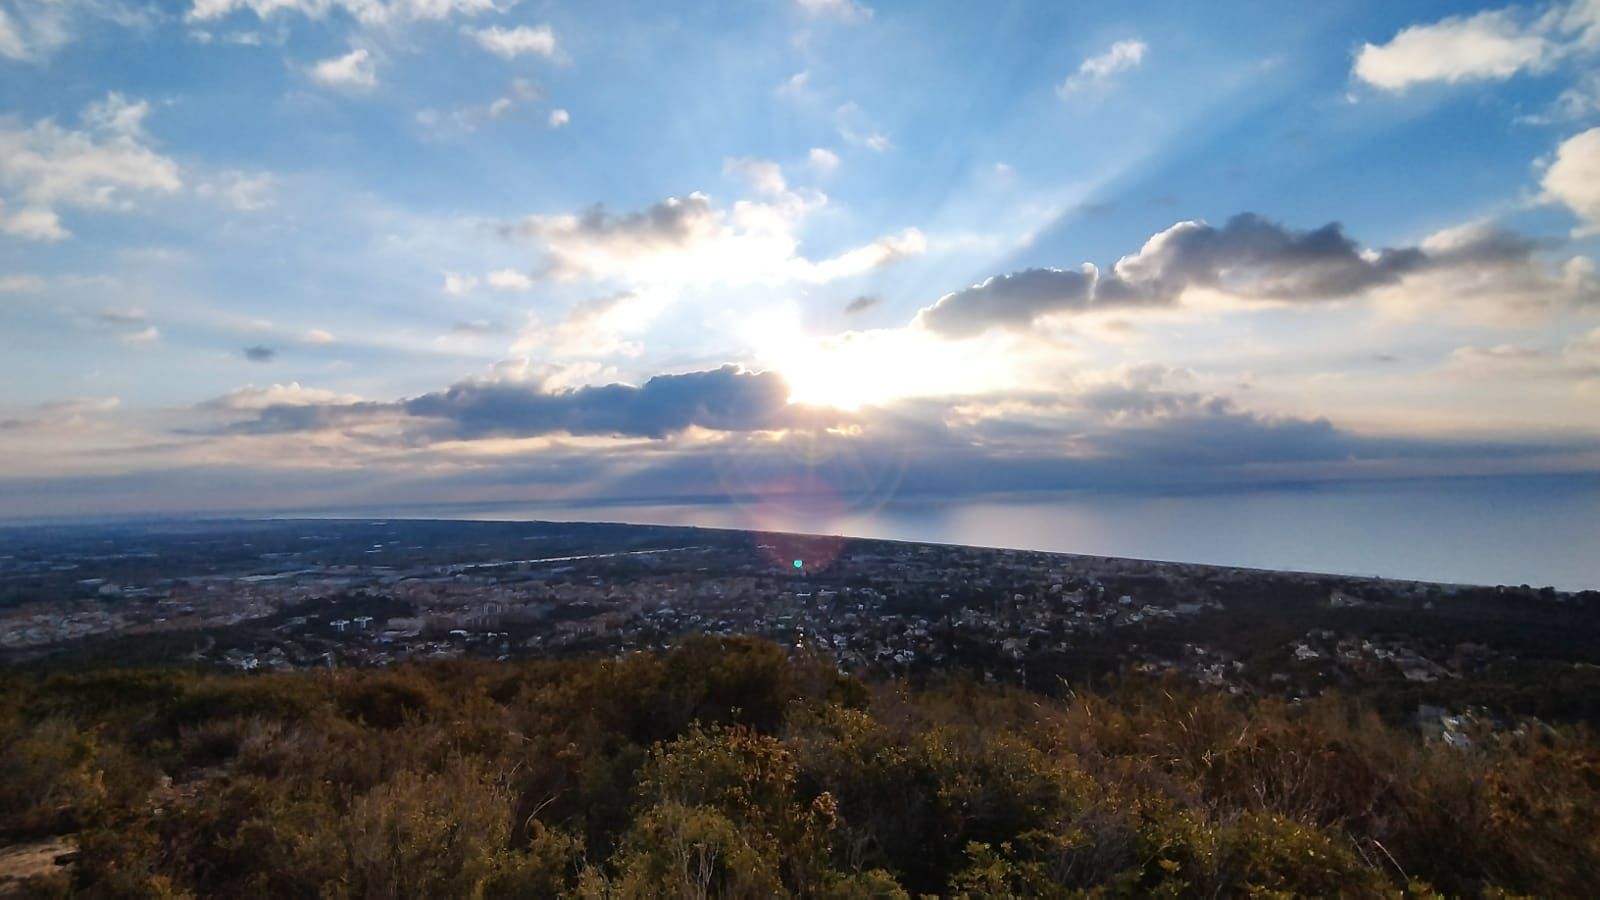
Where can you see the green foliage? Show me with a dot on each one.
(724, 768)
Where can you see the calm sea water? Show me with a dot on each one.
(1505, 531)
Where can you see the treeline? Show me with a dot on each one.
(728, 768)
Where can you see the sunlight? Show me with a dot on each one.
(878, 367)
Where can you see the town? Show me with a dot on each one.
(283, 595)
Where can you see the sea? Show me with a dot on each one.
(1535, 531)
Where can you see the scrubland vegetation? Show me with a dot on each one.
(726, 768)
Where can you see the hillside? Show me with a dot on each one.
(726, 768)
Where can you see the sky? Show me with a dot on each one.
(292, 254)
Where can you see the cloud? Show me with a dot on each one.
(1578, 360)
(884, 251)
(45, 168)
(1574, 178)
(1096, 70)
(1248, 257)
(509, 43)
(353, 71)
(366, 12)
(519, 94)
(691, 240)
(1490, 46)
(146, 335)
(260, 354)
(316, 336)
(474, 328)
(731, 433)
(1574, 104)
(251, 397)
(1010, 301)
(854, 126)
(842, 10)
(21, 283)
(1478, 271)
(862, 304)
(121, 317)
(457, 284)
(795, 87)
(597, 242)
(764, 177)
(68, 418)
(31, 31)
(725, 399)
(823, 161)
(558, 118)
(81, 405)
(243, 191)
(594, 328)
(508, 280)
(129, 325)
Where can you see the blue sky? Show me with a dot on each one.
(287, 253)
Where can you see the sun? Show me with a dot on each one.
(876, 368)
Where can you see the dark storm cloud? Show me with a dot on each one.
(1249, 256)
(862, 304)
(259, 353)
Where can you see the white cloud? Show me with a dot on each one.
(519, 94)
(244, 191)
(857, 129)
(843, 10)
(1122, 56)
(251, 397)
(595, 328)
(764, 177)
(823, 161)
(508, 280)
(146, 335)
(456, 284)
(1578, 360)
(352, 71)
(21, 284)
(1489, 45)
(45, 167)
(316, 336)
(509, 43)
(31, 31)
(367, 12)
(559, 118)
(1574, 104)
(117, 115)
(881, 252)
(691, 240)
(1574, 178)
(795, 87)
(33, 224)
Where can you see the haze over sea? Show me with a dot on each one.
(1538, 531)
